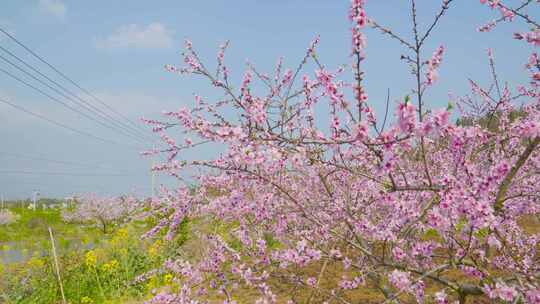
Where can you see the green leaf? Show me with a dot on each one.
(459, 226)
(271, 242)
(482, 233)
(431, 233)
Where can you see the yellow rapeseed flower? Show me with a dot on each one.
(168, 278)
(121, 236)
(112, 266)
(90, 259)
(122, 233)
(152, 284)
(154, 249)
(87, 300)
(35, 262)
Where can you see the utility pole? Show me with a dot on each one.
(2, 201)
(34, 199)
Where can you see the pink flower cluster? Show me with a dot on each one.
(359, 20)
(507, 14)
(401, 280)
(532, 37)
(433, 64)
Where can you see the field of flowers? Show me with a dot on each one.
(114, 266)
(118, 266)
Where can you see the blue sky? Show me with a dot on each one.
(117, 50)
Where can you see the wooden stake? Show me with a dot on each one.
(57, 267)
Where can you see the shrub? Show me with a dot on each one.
(7, 217)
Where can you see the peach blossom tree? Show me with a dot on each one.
(324, 208)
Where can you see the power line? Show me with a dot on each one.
(54, 161)
(73, 82)
(61, 173)
(40, 185)
(64, 89)
(64, 126)
(11, 75)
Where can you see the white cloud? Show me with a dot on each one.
(153, 36)
(54, 7)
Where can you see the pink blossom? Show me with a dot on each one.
(433, 65)
(406, 117)
(441, 296)
(399, 279)
(350, 284)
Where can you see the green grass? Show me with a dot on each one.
(95, 267)
(32, 226)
